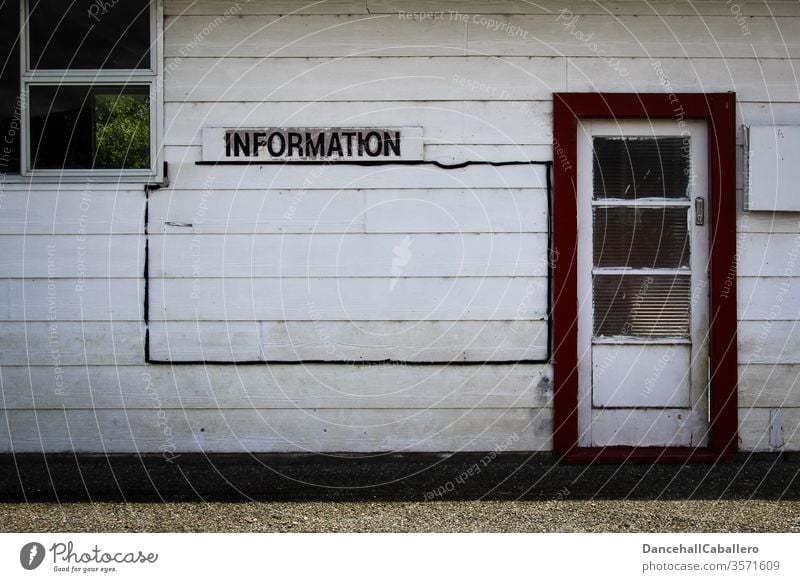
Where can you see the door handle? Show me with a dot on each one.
(699, 211)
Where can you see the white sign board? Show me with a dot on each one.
(772, 167)
(312, 144)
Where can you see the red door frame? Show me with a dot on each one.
(719, 110)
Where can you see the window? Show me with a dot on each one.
(11, 108)
(640, 219)
(85, 98)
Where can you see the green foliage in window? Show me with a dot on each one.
(121, 131)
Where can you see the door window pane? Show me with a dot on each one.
(89, 34)
(82, 127)
(10, 104)
(629, 168)
(641, 237)
(643, 306)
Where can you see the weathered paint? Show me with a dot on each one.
(443, 75)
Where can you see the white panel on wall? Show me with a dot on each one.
(772, 168)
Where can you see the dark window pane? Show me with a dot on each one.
(89, 34)
(641, 237)
(10, 104)
(641, 167)
(641, 306)
(103, 127)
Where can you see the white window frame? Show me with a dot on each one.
(152, 78)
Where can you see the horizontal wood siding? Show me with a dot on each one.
(580, 7)
(295, 263)
(463, 252)
(361, 79)
(291, 431)
(348, 341)
(443, 33)
(70, 209)
(349, 299)
(348, 211)
(278, 386)
(346, 255)
(72, 343)
(548, 7)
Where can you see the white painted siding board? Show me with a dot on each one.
(473, 210)
(544, 7)
(400, 34)
(220, 7)
(260, 430)
(435, 298)
(754, 430)
(766, 342)
(278, 386)
(768, 255)
(61, 211)
(331, 211)
(766, 222)
(314, 36)
(340, 176)
(257, 211)
(72, 343)
(551, 7)
(459, 153)
(73, 299)
(643, 36)
(389, 79)
(72, 256)
(348, 255)
(397, 34)
(760, 113)
(768, 298)
(769, 386)
(176, 155)
(291, 341)
(752, 79)
(444, 122)
(238, 431)
(764, 114)
(203, 341)
(423, 341)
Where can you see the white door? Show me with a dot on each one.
(642, 283)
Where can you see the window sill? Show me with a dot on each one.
(10, 182)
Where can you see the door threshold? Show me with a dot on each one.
(643, 455)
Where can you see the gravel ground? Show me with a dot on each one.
(440, 516)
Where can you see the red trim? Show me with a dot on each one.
(724, 373)
(719, 109)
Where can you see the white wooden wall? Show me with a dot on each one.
(296, 263)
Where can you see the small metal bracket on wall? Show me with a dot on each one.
(164, 183)
(776, 428)
(699, 211)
